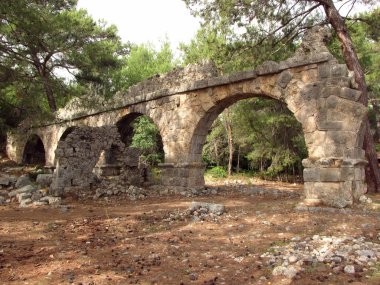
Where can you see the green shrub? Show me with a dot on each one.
(217, 172)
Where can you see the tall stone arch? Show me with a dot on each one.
(317, 90)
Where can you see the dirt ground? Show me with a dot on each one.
(133, 242)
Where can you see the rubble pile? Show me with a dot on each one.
(25, 192)
(341, 254)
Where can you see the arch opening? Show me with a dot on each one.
(68, 131)
(138, 131)
(34, 151)
(259, 136)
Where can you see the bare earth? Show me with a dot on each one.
(133, 242)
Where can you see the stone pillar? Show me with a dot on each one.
(184, 175)
(334, 182)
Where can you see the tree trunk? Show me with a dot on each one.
(49, 94)
(238, 161)
(353, 64)
(44, 75)
(216, 153)
(228, 127)
(376, 111)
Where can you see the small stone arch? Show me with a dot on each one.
(34, 151)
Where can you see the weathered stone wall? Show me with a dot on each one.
(154, 87)
(79, 152)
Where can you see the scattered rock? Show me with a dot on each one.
(51, 199)
(44, 180)
(365, 199)
(7, 180)
(349, 269)
(25, 203)
(202, 207)
(289, 271)
(193, 276)
(22, 181)
(338, 252)
(24, 189)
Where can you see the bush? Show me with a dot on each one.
(217, 172)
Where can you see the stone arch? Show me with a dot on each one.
(34, 151)
(195, 166)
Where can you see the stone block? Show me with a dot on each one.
(311, 175)
(218, 80)
(350, 94)
(355, 153)
(359, 188)
(25, 189)
(23, 196)
(338, 81)
(335, 194)
(7, 180)
(284, 78)
(331, 90)
(359, 173)
(328, 125)
(332, 102)
(339, 70)
(44, 179)
(330, 174)
(309, 124)
(308, 163)
(324, 71)
(22, 181)
(311, 91)
(242, 75)
(347, 174)
(268, 67)
(337, 137)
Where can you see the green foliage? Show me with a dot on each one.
(44, 43)
(217, 172)
(274, 137)
(144, 62)
(269, 137)
(365, 36)
(229, 56)
(147, 137)
(250, 32)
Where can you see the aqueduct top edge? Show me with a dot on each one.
(191, 78)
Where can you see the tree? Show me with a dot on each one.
(279, 22)
(364, 30)
(41, 39)
(146, 137)
(274, 136)
(144, 62)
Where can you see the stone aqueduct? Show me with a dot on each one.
(184, 103)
